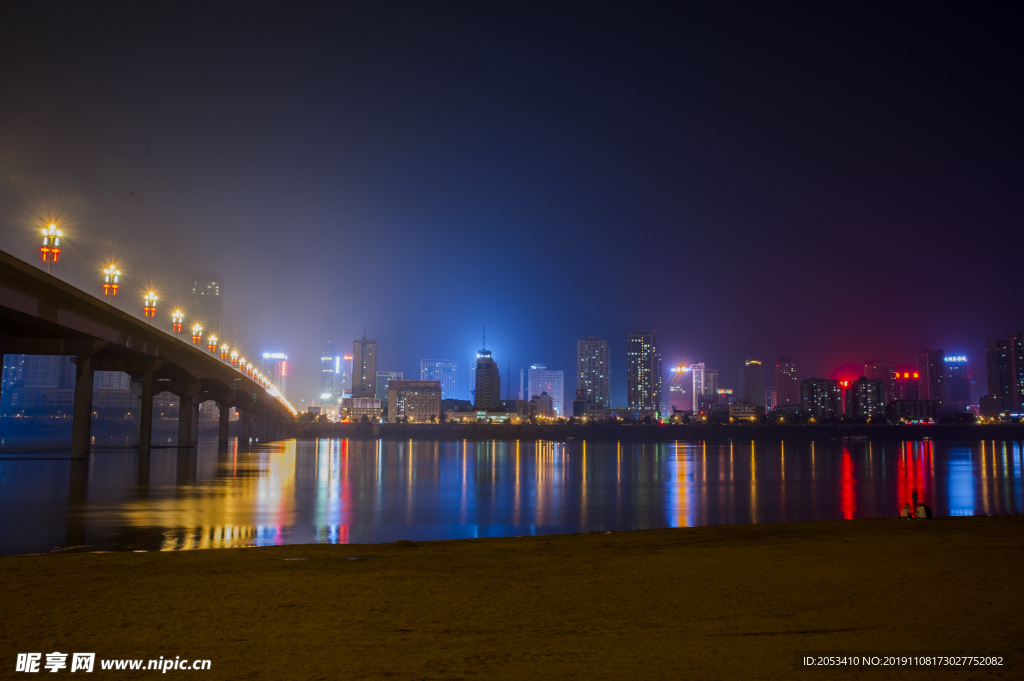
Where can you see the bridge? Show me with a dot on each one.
(41, 315)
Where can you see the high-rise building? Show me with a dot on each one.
(752, 382)
(445, 371)
(200, 301)
(787, 385)
(345, 382)
(14, 373)
(680, 390)
(865, 398)
(540, 379)
(414, 401)
(882, 370)
(1004, 360)
(274, 365)
(593, 370)
(697, 386)
(821, 397)
(931, 366)
(383, 378)
(643, 372)
(906, 384)
(364, 368)
(770, 401)
(711, 381)
(958, 384)
(487, 392)
(330, 367)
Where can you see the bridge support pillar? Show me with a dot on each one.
(188, 414)
(243, 427)
(222, 425)
(144, 419)
(81, 427)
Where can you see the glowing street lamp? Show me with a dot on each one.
(110, 282)
(234, 358)
(51, 245)
(211, 344)
(197, 334)
(176, 319)
(224, 351)
(150, 308)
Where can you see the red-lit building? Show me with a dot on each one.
(906, 384)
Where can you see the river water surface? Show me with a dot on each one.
(342, 491)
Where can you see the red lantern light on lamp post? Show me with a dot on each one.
(197, 334)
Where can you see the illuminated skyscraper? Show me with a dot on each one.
(821, 397)
(445, 371)
(345, 384)
(643, 372)
(885, 371)
(752, 382)
(383, 378)
(787, 385)
(697, 386)
(200, 300)
(364, 368)
(931, 365)
(958, 384)
(593, 370)
(330, 365)
(274, 365)
(487, 392)
(540, 379)
(680, 390)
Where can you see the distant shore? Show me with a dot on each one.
(742, 601)
(596, 432)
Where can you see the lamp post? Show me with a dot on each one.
(197, 334)
(51, 245)
(110, 282)
(211, 344)
(150, 307)
(176, 319)
(224, 351)
(234, 358)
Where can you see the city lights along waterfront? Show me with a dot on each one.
(371, 491)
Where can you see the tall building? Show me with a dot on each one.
(200, 301)
(958, 384)
(752, 382)
(487, 392)
(593, 370)
(711, 381)
(364, 368)
(697, 386)
(345, 379)
(931, 366)
(274, 365)
(770, 401)
(1004, 360)
(906, 385)
(821, 397)
(680, 390)
(643, 371)
(787, 385)
(445, 371)
(414, 401)
(330, 367)
(14, 375)
(882, 370)
(865, 398)
(540, 379)
(383, 378)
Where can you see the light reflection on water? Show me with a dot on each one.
(341, 491)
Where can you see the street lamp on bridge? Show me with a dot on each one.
(110, 282)
(176, 319)
(211, 344)
(234, 358)
(224, 351)
(51, 245)
(150, 308)
(197, 334)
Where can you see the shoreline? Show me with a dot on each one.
(726, 601)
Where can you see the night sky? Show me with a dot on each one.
(827, 182)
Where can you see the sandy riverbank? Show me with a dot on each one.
(711, 602)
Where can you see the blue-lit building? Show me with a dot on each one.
(958, 384)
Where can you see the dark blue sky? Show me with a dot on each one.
(831, 183)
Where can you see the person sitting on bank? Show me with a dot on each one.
(921, 511)
(905, 513)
